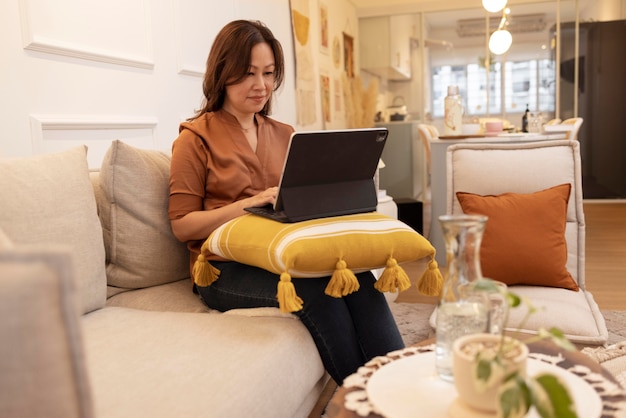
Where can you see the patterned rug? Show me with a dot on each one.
(412, 320)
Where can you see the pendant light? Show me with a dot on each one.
(500, 41)
(493, 6)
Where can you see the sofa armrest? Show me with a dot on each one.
(42, 368)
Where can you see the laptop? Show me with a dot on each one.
(327, 173)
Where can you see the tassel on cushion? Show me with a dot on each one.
(431, 282)
(288, 300)
(342, 282)
(393, 278)
(203, 272)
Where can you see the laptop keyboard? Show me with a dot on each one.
(268, 211)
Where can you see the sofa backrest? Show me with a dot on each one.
(48, 200)
(132, 194)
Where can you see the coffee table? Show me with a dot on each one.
(352, 399)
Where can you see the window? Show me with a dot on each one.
(529, 83)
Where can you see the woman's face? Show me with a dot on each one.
(250, 95)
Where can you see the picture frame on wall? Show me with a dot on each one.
(348, 55)
(324, 35)
(325, 91)
(336, 52)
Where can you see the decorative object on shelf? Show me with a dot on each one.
(490, 370)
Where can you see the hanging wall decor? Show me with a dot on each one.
(348, 55)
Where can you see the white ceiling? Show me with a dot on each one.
(441, 15)
(462, 9)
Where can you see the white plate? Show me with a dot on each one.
(409, 387)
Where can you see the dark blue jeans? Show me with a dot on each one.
(347, 331)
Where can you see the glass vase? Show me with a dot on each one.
(461, 311)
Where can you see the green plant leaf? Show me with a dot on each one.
(552, 398)
(513, 300)
(556, 336)
(489, 372)
(483, 370)
(514, 398)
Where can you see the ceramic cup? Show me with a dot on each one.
(493, 127)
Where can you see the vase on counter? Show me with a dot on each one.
(453, 112)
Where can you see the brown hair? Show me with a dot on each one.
(229, 62)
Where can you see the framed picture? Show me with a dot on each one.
(324, 37)
(325, 82)
(337, 94)
(348, 54)
(336, 52)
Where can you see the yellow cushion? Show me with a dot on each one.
(524, 239)
(335, 246)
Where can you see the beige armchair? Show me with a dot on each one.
(571, 126)
(493, 169)
(574, 125)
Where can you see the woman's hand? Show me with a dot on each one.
(266, 197)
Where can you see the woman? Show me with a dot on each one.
(229, 156)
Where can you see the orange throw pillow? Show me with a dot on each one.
(524, 239)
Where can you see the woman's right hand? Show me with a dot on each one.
(266, 197)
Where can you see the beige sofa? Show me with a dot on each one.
(97, 313)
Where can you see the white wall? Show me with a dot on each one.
(88, 72)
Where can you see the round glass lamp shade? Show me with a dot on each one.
(500, 41)
(493, 6)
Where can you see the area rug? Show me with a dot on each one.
(612, 358)
(412, 320)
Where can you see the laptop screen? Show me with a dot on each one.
(331, 172)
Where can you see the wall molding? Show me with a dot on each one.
(34, 41)
(195, 27)
(195, 72)
(53, 133)
(41, 44)
(57, 122)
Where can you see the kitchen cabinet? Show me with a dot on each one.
(385, 45)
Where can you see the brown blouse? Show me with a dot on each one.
(213, 164)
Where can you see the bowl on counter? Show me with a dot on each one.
(470, 129)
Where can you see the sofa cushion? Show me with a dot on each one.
(173, 297)
(524, 239)
(48, 199)
(140, 246)
(199, 364)
(42, 364)
(335, 246)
